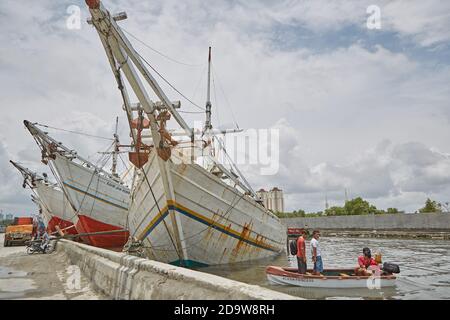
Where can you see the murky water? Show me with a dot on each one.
(424, 265)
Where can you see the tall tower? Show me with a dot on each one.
(277, 199)
(264, 196)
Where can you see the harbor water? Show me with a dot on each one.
(424, 265)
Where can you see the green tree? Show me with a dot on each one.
(392, 210)
(431, 206)
(293, 214)
(300, 213)
(335, 211)
(358, 206)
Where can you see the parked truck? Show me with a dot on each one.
(19, 232)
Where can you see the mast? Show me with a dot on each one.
(208, 125)
(124, 58)
(120, 50)
(116, 150)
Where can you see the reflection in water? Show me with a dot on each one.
(424, 265)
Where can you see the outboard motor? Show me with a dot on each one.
(391, 267)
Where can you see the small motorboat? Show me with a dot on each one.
(330, 278)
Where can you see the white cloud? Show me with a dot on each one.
(337, 103)
(427, 22)
(12, 194)
(388, 174)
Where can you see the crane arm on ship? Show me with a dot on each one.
(30, 176)
(123, 50)
(128, 61)
(44, 139)
(27, 173)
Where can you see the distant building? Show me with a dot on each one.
(9, 216)
(273, 199)
(2, 216)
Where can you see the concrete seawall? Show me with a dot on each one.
(122, 276)
(389, 222)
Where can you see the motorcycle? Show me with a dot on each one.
(38, 246)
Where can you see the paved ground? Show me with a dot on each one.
(41, 276)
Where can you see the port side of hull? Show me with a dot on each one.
(219, 225)
(114, 241)
(56, 208)
(97, 197)
(67, 226)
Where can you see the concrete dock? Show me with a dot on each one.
(78, 271)
(40, 276)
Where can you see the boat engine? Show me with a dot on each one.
(391, 267)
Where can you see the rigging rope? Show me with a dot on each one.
(231, 206)
(170, 85)
(216, 103)
(75, 132)
(198, 83)
(226, 99)
(159, 52)
(159, 210)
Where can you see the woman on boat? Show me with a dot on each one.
(365, 262)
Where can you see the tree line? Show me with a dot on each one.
(359, 206)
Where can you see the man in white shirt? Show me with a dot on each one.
(316, 254)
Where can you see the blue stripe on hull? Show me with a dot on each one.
(198, 219)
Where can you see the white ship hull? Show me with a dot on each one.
(93, 195)
(45, 213)
(55, 203)
(100, 203)
(216, 223)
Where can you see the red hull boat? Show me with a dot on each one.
(64, 225)
(114, 241)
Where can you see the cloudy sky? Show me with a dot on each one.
(360, 109)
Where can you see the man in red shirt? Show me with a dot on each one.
(301, 253)
(364, 263)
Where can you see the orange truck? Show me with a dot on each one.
(19, 232)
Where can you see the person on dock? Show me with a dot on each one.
(45, 240)
(301, 253)
(365, 262)
(316, 253)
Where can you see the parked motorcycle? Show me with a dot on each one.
(38, 246)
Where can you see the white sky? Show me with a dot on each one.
(358, 109)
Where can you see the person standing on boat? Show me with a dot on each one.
(301, 253)
(316, 254)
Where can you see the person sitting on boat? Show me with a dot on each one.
(316, 254)
(364, 263)
(301, 253)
